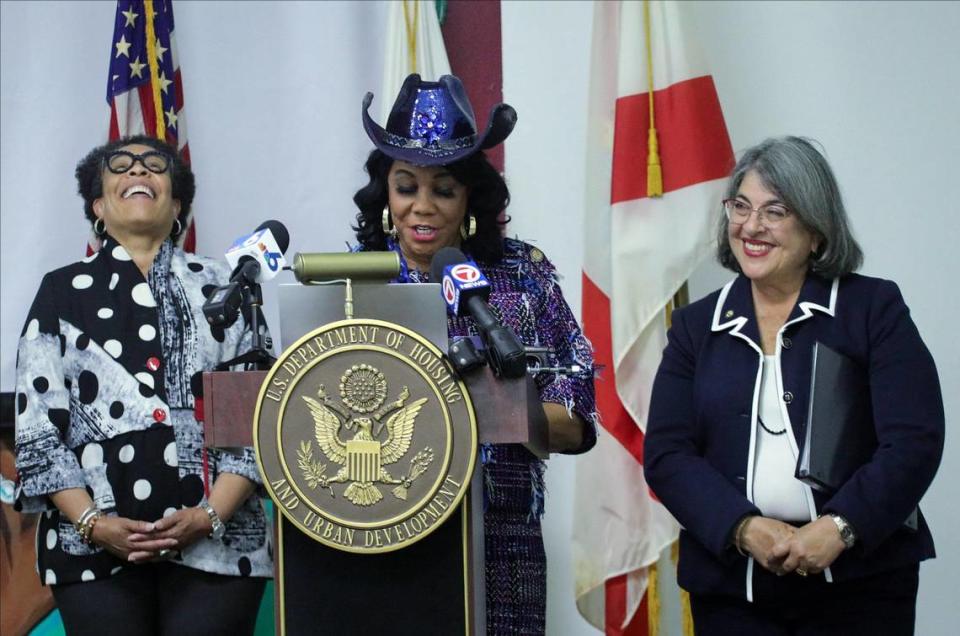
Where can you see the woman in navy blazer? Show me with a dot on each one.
(761, 552)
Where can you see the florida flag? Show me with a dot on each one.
(640, 249)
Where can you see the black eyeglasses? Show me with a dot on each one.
(119, 161)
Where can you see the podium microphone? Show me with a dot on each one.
(465, 291)
(258, 257)
(255, 258)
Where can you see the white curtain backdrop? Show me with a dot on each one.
(273, 93)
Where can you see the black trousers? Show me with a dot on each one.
(795, 606)
(161, 599)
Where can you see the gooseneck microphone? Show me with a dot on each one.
(465, 291)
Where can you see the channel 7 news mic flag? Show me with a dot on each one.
(144, 85)
(658, 154)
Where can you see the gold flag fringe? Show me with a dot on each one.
(653, 601)
(686, 616)
(161, 127)
(654, 169)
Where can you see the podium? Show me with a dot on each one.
(434, 585)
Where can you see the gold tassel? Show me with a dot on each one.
(653, 602)
(686, 616)
(654, 169)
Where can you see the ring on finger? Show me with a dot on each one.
(801, 571)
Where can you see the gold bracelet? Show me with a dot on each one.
(88, 529)
(738, 535)
(84, 517)
(84, 525)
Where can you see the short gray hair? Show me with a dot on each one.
(801, 177)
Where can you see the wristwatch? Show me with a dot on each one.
(847, 535)
(218, 528)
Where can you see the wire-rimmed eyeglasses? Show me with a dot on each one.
(119, 161)
(770, 215)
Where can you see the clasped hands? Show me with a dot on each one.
(143, 541)
(782, 548)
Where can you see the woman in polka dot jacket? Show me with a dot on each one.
(107, 443)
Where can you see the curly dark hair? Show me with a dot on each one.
(90, 174)
(488, 197)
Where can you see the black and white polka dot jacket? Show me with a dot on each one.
(104, 403)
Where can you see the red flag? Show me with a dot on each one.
(144, 85)
(639, 251)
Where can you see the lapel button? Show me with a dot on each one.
(728, 314)
(787, 397)
(786, 342)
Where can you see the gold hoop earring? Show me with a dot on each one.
(387, 223)
(101, 229)
(469, 227)
(177, 231)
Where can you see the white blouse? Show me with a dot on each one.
(776, 491)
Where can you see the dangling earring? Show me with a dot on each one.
(101, 229)
(469, 227)
(176, 232)
(387, 223)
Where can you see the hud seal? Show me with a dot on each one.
(365, 437)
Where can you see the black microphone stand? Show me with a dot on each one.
(258, 356)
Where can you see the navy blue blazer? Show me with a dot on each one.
(701, 430)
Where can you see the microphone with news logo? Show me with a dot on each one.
(259, 257)
(465, 291)
(255, 258)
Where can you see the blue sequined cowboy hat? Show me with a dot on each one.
(432, 123)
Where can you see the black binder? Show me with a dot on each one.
(840, 436)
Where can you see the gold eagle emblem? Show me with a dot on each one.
(363, 457)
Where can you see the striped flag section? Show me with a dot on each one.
(414, 45)
(144, 84)
(639, 251)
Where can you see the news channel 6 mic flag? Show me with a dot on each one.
(263, 248)
(255, 258)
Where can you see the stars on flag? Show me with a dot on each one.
(171, 118)
(123, 47)
(136, 68)
(130, 16)
(139, 60)
(160, 50)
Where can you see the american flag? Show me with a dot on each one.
(144, 86)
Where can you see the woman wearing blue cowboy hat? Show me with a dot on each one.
(431, 186)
